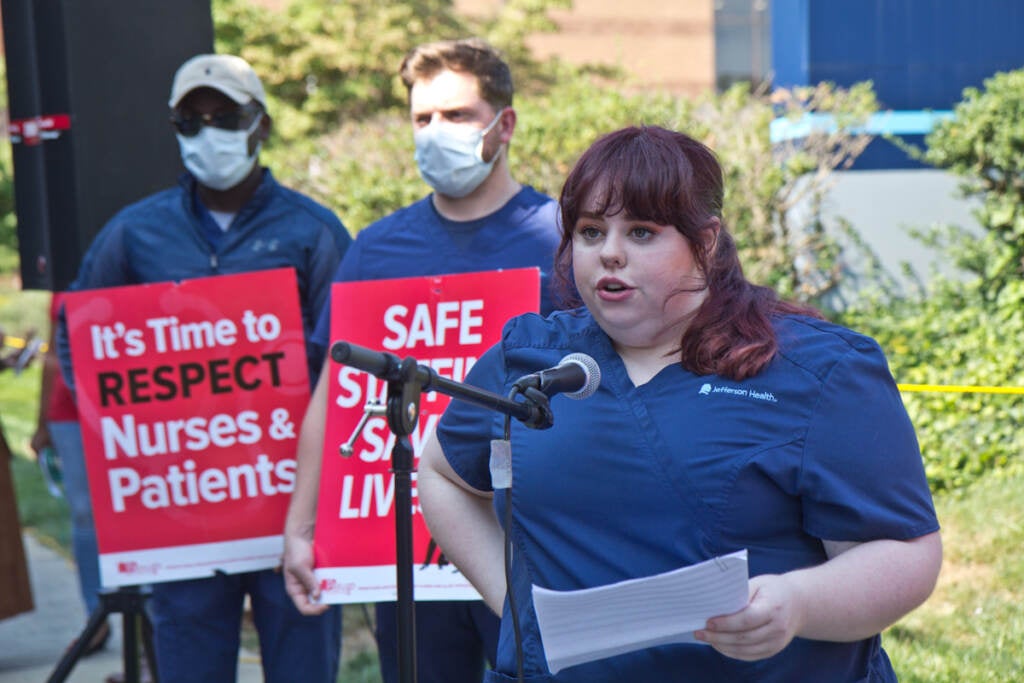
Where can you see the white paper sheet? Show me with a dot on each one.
(594, 623)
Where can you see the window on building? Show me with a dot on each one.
(742, 42)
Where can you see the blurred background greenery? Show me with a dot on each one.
(342, 136)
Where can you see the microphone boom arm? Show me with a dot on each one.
(534, 411)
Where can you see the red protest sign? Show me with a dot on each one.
(445, 322)
(190, 396)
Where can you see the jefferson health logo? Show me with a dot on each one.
(734, 392)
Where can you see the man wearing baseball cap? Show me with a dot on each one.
(218, 108)
(226, 215)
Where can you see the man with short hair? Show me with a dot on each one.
(478, 218)
(227, 215)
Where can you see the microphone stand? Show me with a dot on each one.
(406, 381)
(129, 601)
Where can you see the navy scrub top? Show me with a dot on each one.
(635, 481)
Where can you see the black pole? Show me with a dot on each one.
(402, 466)
(24, 92)
(403, 408)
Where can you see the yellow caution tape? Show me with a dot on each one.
(18, 343)
(14, 342)
(960, 389)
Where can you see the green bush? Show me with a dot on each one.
(950, 338)
(984, 146)
(8, 220)
(968, 331)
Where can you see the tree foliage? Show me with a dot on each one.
(775, 190)
(968, 330)
(984, 145)
(327, 62)
(8, 220)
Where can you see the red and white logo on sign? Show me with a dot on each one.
(138, 568)
(33, 130)
(335, 586)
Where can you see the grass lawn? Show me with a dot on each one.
(970, 630)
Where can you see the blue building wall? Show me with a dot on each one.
(920, 54)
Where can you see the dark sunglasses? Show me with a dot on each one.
(189, 123)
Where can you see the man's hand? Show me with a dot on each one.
(41, 439)
(299, 581)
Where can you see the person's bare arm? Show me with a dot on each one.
(462, 521)
(51, 366)
(862, 589)
(300, 522)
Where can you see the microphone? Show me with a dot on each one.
(577, 376)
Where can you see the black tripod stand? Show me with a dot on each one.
(406, 381)
(128, 601)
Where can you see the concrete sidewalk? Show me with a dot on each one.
(32, 644)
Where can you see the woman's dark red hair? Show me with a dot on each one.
(669, 178)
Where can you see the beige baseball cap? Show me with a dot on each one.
(229, 74)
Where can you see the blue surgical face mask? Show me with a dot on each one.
(450, 156)
(219, 158)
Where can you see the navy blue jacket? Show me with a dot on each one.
(162, 238)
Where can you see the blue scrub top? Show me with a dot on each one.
(417, 240)
(635, 481)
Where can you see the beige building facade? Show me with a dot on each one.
(668, 45)
(665, 45)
